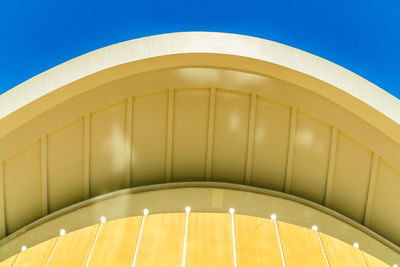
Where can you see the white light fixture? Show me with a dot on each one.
(314, 227)
(231, 210)
(187, 209)
(273, 217)
(23, 248)
(395, 265)
(103, 219)
(145, 211)
(62, 232)
(356, 245)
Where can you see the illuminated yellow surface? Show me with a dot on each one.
(162, 240)
(300, 246)
(209, 243)
(73, 249)
(115, 243)
(209, 240)
(256, 242)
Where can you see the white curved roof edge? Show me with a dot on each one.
(200, 42)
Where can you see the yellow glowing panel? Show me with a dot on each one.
(116, 243)
(256, 242)
(209, 240)
(8, 262)
(341, 254)
(73, 249)
(374, 262)
(162, 240)
(37, 255)
(300, 246)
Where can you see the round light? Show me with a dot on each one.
(231, 210)
(395, 265)
(273, 217)
(23, 248)
(356, 245)
(62, 232)
(187, 209)
(314, 227)
(103, 219)
(145, 211)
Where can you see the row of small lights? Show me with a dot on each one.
(187, 209)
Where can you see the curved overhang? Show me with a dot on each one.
(197, 49)
(201, 107)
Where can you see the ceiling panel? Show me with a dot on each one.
(385, 216)
(271, 138)
(22, 182)
(351, 178)
(108, 149)
(65, 168)
(149, 133)
(311, 158)
(191, 110)
(230, 136)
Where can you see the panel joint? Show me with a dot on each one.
(86, 157)
(3, 228)
(331, 167)
(170, 123)
(250, 140)
(128, 143)
(371, 190)
(292, 136)
(43, 174)
(210, 134)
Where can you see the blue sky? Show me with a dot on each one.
(362, 36)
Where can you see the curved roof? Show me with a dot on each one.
(194, 107)
(214, 43)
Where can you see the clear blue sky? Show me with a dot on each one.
(362, 36)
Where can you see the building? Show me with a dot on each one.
(209, 121)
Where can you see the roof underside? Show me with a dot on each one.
(195, 117)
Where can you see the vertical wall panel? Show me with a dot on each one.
(23, 188)
(351, 178)
(209, 240)
(73, 249)
(385, 215)
(230, 136)
(271, 136)
(298, 244)
(374, 262)
(116, 243)
(107, 149)
(162, 239)
(190, 134)
(339, 253)
(8, 262)
(37, 255)
(149, 133)
(256, 242)
(311, 148)
(65, 168)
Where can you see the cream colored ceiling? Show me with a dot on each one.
(193, 124)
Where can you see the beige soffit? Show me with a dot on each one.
(312, 70)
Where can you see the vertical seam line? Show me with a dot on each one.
(280, 244)
(52, 251)
(185, 240)
(323, 249)
(138, 241)
(94, 243)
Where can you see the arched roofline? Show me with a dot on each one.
(249, 54)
